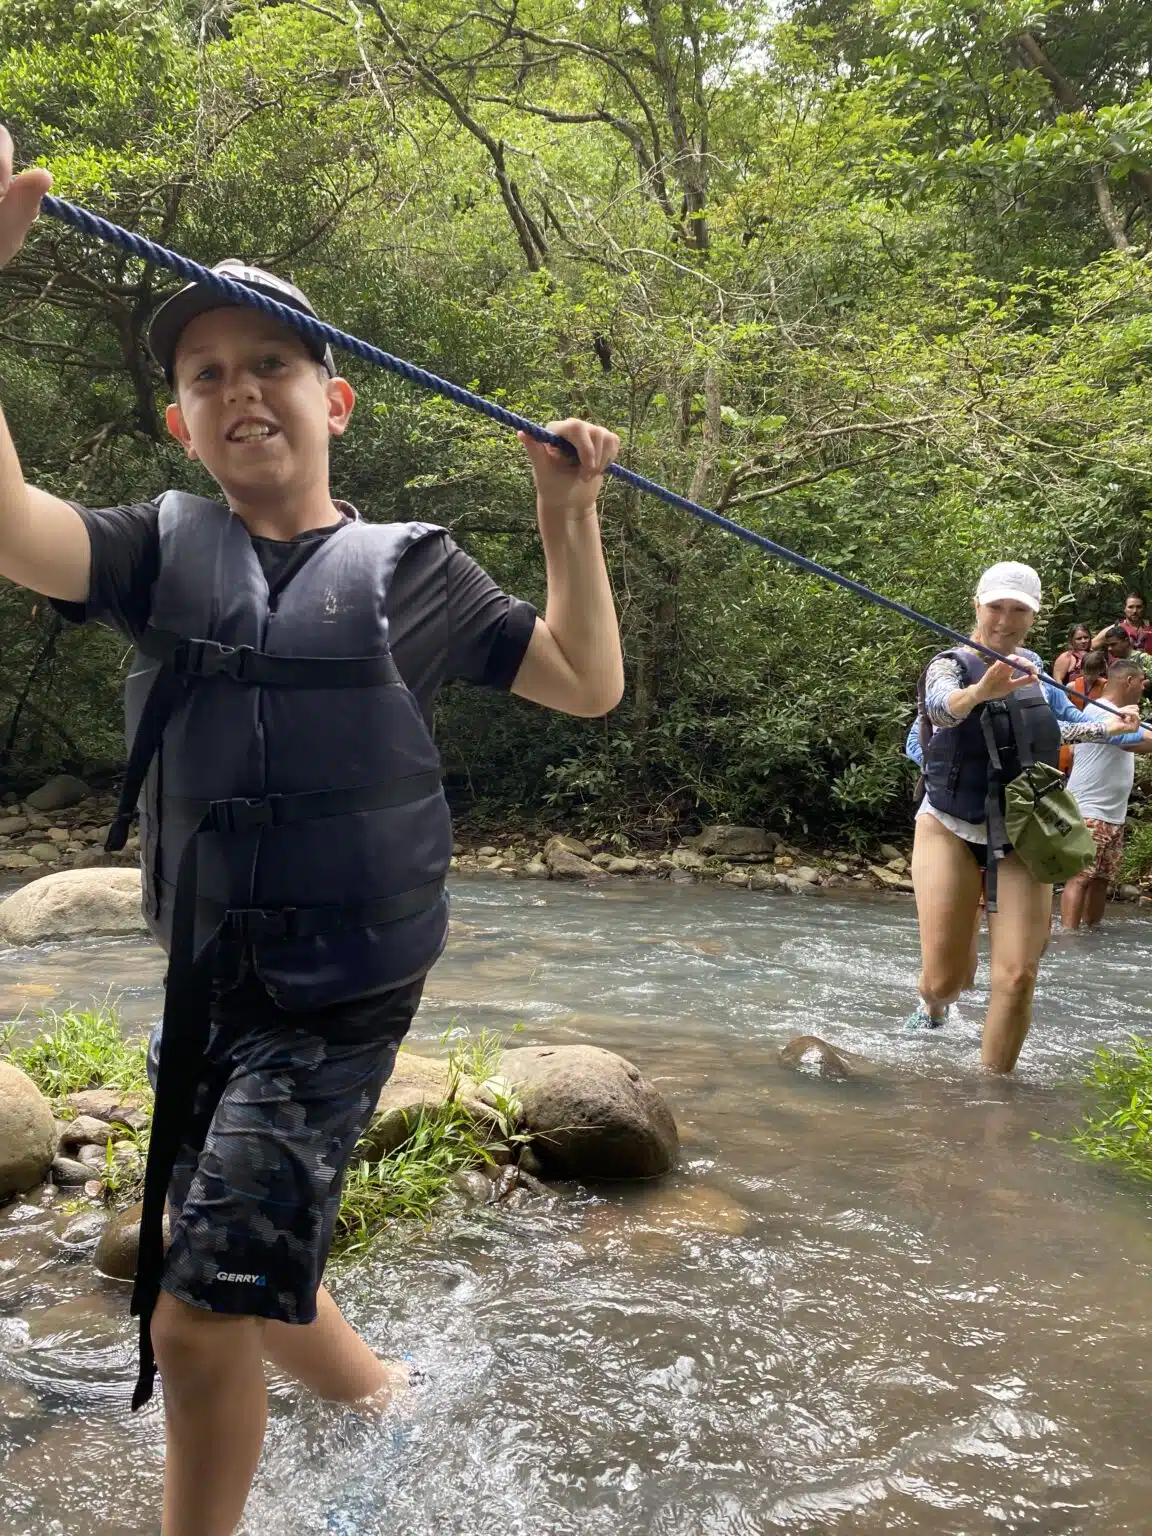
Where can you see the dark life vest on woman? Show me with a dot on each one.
(960, 777)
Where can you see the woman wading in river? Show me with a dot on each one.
(966, 702)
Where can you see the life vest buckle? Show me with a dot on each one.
(208, 658)
(242, 814)
(261, 922)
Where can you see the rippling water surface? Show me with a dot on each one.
(876, 1306)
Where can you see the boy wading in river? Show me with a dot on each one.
(294, 836)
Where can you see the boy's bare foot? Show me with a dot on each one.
(398, 1379)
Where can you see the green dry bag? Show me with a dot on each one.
(1045, 827)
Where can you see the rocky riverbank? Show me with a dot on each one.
(62, 826)
(484, 1125)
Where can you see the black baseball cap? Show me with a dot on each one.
(168, 322)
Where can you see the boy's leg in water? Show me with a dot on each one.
(1019, 930)
(215, 1408)
(948, 882)
(330, 1358)
(255, 1207)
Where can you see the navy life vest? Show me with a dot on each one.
(289, 793)
(961, 777)
(321, 792)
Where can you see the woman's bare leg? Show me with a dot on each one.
(948, 883)
(1019, 931)
(974, 951)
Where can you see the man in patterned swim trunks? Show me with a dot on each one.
(1101, 780)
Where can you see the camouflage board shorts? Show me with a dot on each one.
(1109, 839)
(283, 1100)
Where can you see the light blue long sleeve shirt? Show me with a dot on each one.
(1060, 704)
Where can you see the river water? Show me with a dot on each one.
(883, 1305)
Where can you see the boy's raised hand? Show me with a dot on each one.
(19, 200)
(565, 488)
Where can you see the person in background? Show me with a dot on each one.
(1089, 686)
(1102, 783)
(954, 823)
(1119, 647)
(1132, 624)
(1070, 663)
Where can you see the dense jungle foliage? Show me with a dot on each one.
(871, 276)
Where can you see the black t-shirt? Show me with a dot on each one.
(447, 618)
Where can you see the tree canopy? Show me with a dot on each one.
(870, 276)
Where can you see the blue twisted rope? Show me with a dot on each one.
(236, 293)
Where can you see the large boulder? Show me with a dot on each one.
(71, 904)
(58, 794)
(734, 842)
(27, 1133)
(590, 1113)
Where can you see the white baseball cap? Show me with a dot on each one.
(1010, 581)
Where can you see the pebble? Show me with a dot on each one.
(17, 1402)
(59, 835)
(622, 866)
(82, 1233)
(85, 1130)
(487, 852)
(474, 1184)
(68, 1170)
(45, 853)
(688, 858)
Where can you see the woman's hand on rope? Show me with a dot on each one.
(567, 488)
(19, 200)
(1003, 678)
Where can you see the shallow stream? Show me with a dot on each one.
(875, 1306)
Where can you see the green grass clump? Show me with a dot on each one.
(1118, 1129)
(411, 1180)
(81, 1048)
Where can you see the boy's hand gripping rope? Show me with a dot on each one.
(236, 293)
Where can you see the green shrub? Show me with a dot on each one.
(1137, 861)
(1118, 1129)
